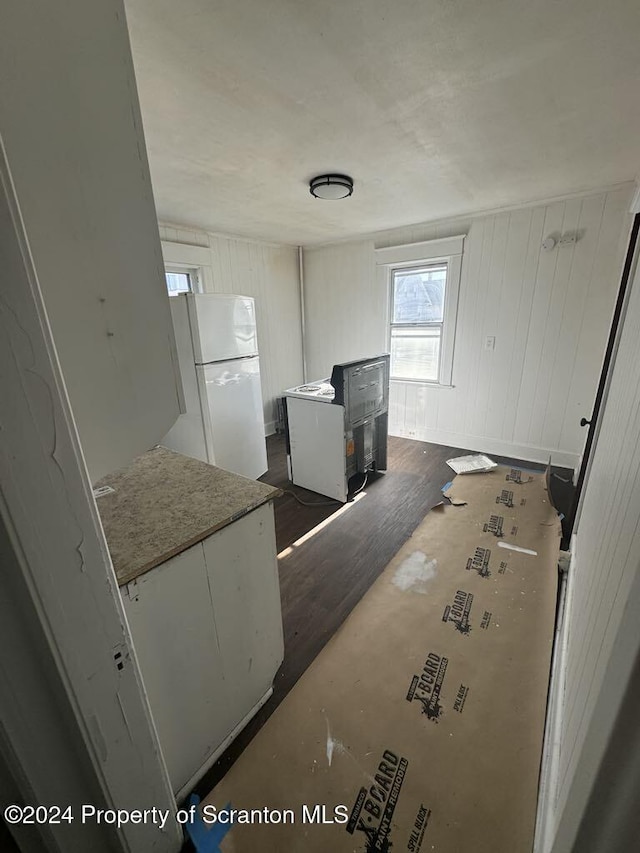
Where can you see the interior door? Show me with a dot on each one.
(630, 263)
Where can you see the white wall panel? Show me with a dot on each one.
(269, 273)
(549, 312)
(345, 308)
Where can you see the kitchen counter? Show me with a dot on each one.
(164, 502)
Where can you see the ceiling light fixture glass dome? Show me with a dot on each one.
(331, 186)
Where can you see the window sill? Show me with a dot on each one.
(422, 382)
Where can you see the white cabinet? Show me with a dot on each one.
(243, 573)
(207, 629)
(73, 138)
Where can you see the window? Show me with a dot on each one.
(417, 318)
(423, 281)
(188, 268)
(178, 282)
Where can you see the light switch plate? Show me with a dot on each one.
(490, 342)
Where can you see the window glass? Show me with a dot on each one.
(415, 353)
(418, 295)
(178, 282)
(417, 311)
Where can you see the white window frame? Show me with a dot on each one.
(432, 253)
(193, 260)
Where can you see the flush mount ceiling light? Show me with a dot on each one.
(331, 186)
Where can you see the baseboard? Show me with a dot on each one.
(499, 447)
(546, 817)
(269, 428)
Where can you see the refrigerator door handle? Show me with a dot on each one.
(225, 360)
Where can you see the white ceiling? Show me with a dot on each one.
(434, 107)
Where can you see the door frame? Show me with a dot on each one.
(72, 696)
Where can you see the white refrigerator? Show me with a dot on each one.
(223, 419)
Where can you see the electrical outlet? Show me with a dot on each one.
(568, 239)
(490, 342)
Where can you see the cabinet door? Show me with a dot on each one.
(169, 610)
(242, 568)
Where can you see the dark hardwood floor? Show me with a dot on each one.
(323, 577)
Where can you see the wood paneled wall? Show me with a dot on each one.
(270, 274)
(549, 312)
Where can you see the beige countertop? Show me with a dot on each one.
(165, 502)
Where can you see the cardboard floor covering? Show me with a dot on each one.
(419, 727)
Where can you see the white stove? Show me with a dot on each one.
(328, 445)
(321, 391)
(316, 440)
